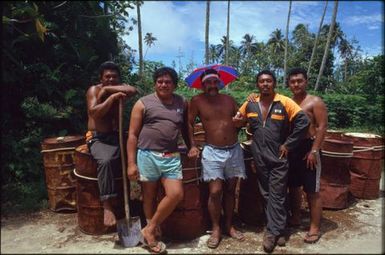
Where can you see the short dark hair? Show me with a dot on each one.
(294, 71)
(108, 65)
(209, 71)
(268, 72)
(166, 71)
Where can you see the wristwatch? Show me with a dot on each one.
(314, 151)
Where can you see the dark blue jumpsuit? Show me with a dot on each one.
(285, 124)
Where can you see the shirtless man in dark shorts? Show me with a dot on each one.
(305, 163)
(222, 156)
(102, 136)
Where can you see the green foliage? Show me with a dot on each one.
(51, 54)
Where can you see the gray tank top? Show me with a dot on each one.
(161, 124)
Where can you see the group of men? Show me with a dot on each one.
(287, 137)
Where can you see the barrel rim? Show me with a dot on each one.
(331, 140)
(66, 139)
(362, 135)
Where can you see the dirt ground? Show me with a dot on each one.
(356, 229)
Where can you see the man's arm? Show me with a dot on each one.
(321, 122)
(109, 90)
(192, 114)
(300, 128)
(136, 123)
(97, 109)
(185, 127)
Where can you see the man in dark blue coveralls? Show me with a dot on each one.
(278, 124)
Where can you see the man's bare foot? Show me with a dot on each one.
(109, 217)
(236, 234)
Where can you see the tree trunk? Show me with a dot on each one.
(207, 53)
(286, 44)
(140, 43)
(105, 9)
(227, 34)
(316, 40)
(324, 58)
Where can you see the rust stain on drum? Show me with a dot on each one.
(58, 155)
(90, 208)
(335, 178)
(366, 164)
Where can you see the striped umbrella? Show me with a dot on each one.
(227, 74)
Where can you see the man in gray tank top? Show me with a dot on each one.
(152, 151)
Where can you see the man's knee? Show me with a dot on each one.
(215, 194)
(176, 196)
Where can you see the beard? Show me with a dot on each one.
(212, 91)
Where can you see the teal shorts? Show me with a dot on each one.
(154, 165)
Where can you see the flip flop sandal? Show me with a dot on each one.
(213, 242)
(158, 244)
(306, 240)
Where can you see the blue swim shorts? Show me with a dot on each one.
(222, 162)
(154, 165)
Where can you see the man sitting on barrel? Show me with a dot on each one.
(222, 156)
(103, 136)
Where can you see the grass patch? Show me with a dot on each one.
(23, 197)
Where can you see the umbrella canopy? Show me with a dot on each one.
(227, 74)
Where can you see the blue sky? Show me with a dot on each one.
(179, 26)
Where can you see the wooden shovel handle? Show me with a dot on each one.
(123, 160)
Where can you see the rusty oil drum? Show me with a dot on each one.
(335, 177)
(58, 153)
(250, 202)
(89, 206)
(190, 218)
(366, 164)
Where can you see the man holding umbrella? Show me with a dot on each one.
(222, 156)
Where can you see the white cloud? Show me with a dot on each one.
(372, 21)
(181, 24)
(168, 24)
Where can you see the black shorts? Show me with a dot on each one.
(299, 174)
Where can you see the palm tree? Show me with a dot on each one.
(247, 45)
(149, 40)
(346, 51)
(277, 47)
(331, 28)
(227, 34)
(213, 54)
(141, 63)
(246, 49)
(286, 43)
(316, 40)
(207, 57)
(276, 41)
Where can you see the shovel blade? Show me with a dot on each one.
(129, 232)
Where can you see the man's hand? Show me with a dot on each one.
(311, 160)
(193, 152)
(238, 120)
(283, 151)
(119, 95)
(132, 172)
(252, 97)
